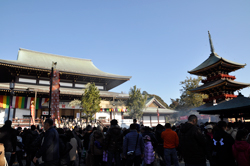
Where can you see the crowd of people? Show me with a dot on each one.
(217, 143)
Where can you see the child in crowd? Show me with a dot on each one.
(148, 151)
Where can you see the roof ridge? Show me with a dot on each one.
(54, 54)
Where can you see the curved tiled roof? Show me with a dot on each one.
(239, 104)
(213, 59)
(217, 83)
(64, 64)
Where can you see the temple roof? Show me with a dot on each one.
(153, 99)
(217, 83)
(239, 104)
(212, 60)
(153, 110)
(65, 64)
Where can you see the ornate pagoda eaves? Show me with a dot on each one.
(229, 83)
(238, 104)
(33, 60)
(213, 60)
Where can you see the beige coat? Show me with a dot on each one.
(73, 151)
(2, 155)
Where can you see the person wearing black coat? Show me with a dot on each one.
(30, 137)
(64, 147)
(192, 143)
(222, 148)
(50, 147)
(9, 139)
(159, 148)
(113, 143)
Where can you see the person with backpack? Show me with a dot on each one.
(113, 143)
(222, 146)
(133, 147)
(96, 146)
(30, 137)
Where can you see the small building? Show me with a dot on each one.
(155, 112)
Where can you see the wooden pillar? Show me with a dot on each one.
(110, 116)
(150, 121)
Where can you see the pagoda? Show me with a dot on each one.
(218, 84)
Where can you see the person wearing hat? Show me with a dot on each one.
(209, 142)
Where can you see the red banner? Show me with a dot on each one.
(183, 117)
(32, 109)
(55, 96)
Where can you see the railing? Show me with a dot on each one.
(25, 122)
(219, 76)
(223, 96)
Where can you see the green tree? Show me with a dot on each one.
(175, 103)
(136, 102)
(188, 99)
(90, 102)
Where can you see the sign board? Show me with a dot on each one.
(183, 117)
(77, 115)
(45, 112)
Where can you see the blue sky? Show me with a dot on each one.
(154, 41)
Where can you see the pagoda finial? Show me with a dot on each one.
(211, 43)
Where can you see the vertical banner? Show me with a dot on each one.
(55, 96)
(32, 112)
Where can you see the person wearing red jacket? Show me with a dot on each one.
(241, 148)
(170, 143)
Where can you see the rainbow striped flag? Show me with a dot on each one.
(21, 102)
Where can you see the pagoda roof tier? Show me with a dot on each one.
(214, 61)
(232, 107)
(33, 60)
(63, 90)
(218, 83)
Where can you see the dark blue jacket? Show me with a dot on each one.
(50, 147)
(130, 142)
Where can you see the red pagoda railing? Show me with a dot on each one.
(223, 96)
(219, 76)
